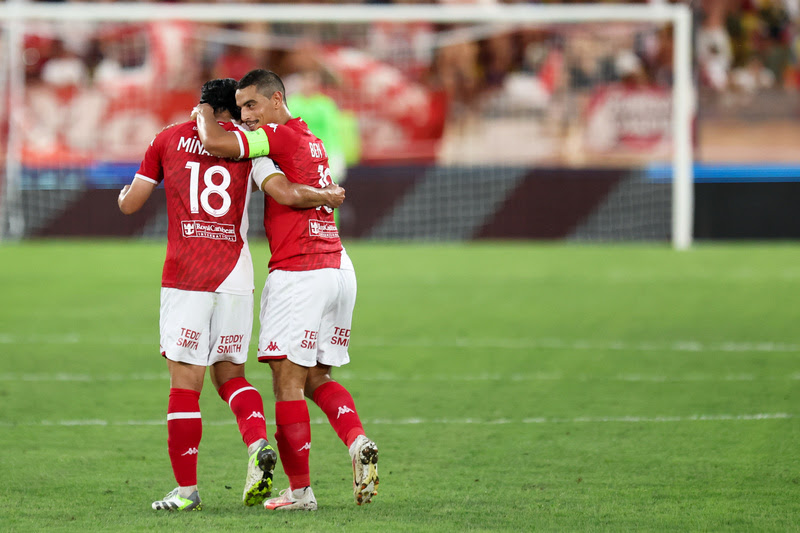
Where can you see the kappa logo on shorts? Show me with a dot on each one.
(272, 347)
(323, 229)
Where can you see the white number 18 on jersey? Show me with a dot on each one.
(211, 188)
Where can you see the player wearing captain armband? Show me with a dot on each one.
(308, 300)
(206, 313)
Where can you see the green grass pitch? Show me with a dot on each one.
(509, 386)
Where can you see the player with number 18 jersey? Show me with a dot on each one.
(207, 201)
(206, 303)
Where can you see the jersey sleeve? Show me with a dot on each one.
(272, 139)
(238, 130)
(151, 169)
(263, 167)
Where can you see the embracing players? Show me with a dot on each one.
(207, 285)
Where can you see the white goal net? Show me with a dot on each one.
(449, 122)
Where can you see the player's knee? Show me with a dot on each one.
(315, 381)
(224, 371)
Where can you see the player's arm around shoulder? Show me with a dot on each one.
(216, 140)
(298, 195)
(269, 177)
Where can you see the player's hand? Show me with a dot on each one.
(199, 109)
(335, 195)
(122, 193)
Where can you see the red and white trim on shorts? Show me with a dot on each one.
(268, 358)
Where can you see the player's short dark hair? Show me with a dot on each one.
(221, 95)
(266, 82)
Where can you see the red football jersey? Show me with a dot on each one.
(299, 239)
(207, 201)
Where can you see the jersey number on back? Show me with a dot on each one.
(324, 181)
(211, 188)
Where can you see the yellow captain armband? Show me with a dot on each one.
(258, 142)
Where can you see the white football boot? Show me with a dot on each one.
(364, 454)
(260, 467)
(174, 502)
(293, 500)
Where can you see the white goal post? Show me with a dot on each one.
(678, 15)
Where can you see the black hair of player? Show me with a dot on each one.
(221, 95)
(266, 82)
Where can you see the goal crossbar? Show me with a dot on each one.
(343, 13)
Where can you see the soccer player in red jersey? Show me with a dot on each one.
(308, 300)
(207, 286)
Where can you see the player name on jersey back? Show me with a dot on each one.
(192, 145)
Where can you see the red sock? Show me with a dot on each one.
(184, 430)
(294, 441)
(338, 405)
(245, 402)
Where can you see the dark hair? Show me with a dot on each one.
(221, 95)
(266, 82)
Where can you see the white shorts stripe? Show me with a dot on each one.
(238, 391)
(182, 416)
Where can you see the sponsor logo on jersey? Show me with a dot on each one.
(306, 446)
(190, 451)
(272, 347)
(322, 229)
(256, 414)
(209, 230)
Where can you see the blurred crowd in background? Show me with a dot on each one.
(431, 78)
(742, 45)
